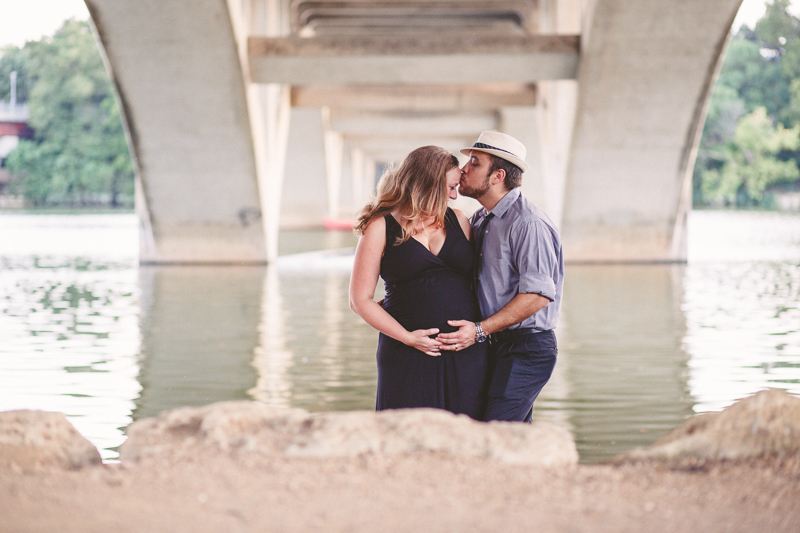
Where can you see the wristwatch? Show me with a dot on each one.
(480, 336)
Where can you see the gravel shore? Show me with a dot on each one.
(181, 477)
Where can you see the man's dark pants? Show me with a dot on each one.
(522, 364)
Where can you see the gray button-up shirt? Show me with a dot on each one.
(521, 254)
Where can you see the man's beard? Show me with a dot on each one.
(477, 192)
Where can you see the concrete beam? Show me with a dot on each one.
(416, 98)
(388, 150)
(421, 59)
(646, 74)
(388, 126)
(405, 15)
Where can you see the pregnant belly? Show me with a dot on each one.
(430, 301)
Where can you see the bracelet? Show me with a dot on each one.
(480, 335)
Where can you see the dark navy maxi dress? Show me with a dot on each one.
(424, 291)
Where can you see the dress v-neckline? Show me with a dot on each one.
(444, 243)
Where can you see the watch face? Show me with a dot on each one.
(481, 338)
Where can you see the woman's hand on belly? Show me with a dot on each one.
(421, 340)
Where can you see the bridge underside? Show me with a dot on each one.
(248, 115)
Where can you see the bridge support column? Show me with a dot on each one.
(275, 99)
(545, 130)
(637, 126)
(270, 108)
(523, 123)
(183, 92)
(362, 174)
(334, 152)
(305, 198)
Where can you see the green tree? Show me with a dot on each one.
(752, 161)
(758, 86)
(759, 81)
(79, 154)
(12, 59)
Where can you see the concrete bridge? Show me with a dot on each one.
(245, 115)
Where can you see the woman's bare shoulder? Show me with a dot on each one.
(463, 221)
(460, 214)
(377, 224)
(375, 232)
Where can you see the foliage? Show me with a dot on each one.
(12, 59)
(751, 160)
(745, 149)
(79, 154)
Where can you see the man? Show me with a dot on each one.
(519, 271)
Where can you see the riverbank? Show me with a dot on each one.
(402, 494)
(247, 467)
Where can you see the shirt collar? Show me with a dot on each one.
(505, 202)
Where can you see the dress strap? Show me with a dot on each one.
(450, 216)
(393, 229)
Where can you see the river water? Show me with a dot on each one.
(87, 331)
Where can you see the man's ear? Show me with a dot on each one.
(498, 176)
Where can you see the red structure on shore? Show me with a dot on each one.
(13, 127)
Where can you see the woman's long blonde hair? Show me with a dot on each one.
(417, 188)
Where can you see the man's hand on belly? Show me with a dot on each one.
(459, 339)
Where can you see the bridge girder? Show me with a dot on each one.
(422, 59)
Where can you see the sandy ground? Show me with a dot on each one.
(245, 466)
(213, 492)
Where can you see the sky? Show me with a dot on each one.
(29, 20)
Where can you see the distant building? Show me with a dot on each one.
(13, 127)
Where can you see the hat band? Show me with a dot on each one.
(490, 147)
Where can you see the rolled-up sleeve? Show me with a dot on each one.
(535, 259)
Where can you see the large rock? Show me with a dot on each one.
(249, 427)
(767, 423)
(37, 439)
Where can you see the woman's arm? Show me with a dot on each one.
(464, 222)
(366, 270)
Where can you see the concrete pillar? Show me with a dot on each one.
(181, 87)
(357, 167)
(522, 123)
(269, 107)
(370, 177)
(646, 72)
(556, 101)
(334, 152)
(275, 103)
(305, 194)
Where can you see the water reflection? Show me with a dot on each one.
(621, 349)
(199, 333)
(741, 305)
(227, 333)
(69, 341)
(326, 351)
(744, 330)
(272, 358)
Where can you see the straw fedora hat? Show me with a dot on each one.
(500, 145)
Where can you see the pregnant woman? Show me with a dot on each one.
(420, 247)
